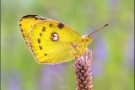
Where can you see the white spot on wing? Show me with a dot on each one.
(54, 37)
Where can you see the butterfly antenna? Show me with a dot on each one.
(98, 29)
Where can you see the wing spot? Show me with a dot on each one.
(60, 25)
(40, 48)
(20, 24)
(40, 34)
(39, 41)
(29, 16)
(21, 30)
(45, 54)
(54, 36)
(43, 29)
(50, 25)
(36, 18)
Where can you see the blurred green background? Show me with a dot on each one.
(113, 46)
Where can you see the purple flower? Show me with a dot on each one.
(82, 68)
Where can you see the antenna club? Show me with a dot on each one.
(106, 24)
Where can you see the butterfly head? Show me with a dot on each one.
(87, 39)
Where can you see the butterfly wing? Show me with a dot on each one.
(51, 42)
(26, 23)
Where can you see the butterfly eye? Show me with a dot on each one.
(88, 39)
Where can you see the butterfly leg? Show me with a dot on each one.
(88, 54)
(76, 55)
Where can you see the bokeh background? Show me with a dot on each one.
(113, 46)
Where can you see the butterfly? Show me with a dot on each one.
(52, 42)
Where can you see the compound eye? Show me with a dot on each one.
(88, 39)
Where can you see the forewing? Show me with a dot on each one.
(26, 23)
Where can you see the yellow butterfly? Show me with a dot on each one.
(51, 41)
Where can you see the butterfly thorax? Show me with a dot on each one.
(80, 48)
